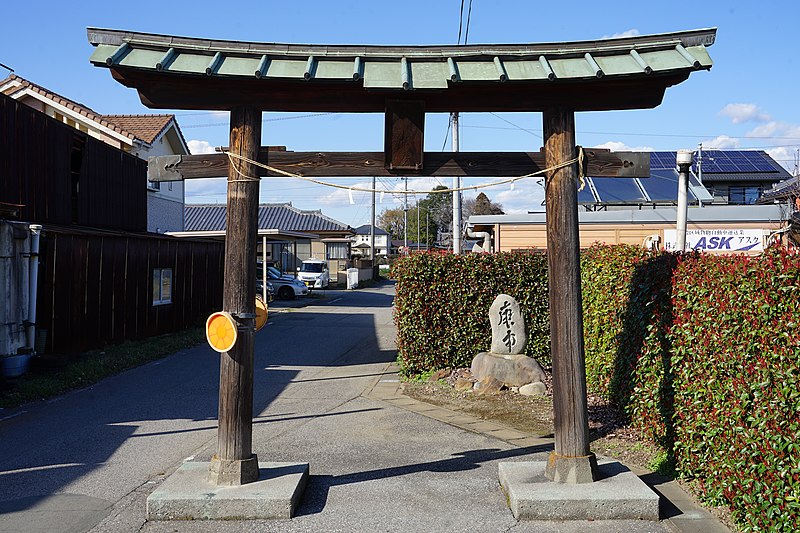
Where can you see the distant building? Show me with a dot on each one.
(139, 135)
(722, 218)
(287, 235)
(361, 241)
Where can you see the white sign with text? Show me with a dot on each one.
(718, 240)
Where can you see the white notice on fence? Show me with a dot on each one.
(718, 240)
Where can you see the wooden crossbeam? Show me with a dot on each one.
(598, 163)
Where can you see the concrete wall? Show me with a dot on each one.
(14, 285)
(163, 214)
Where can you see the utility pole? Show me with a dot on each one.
(405, 216)
(372, 254)
(418, 224)
(456, 194)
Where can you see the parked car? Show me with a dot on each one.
(286, 287)
(314, 273)
(270, 290)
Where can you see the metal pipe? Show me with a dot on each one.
(264, 292)
(485, 235)
(456, 194)
(33, 279)
(684, 160)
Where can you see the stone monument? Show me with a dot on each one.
(506, 361)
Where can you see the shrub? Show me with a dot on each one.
(736, 359)
(442, 305)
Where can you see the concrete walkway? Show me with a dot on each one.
(327, 393)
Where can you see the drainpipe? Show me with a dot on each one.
(485, 235)
(33, 279)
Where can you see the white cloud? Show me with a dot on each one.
(722, 142)
(616, 146)
(739, 113)
(783, 130)
(200, 147)
(633, 32)
(783, 156)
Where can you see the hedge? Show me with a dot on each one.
(442, 305)
(702, 352)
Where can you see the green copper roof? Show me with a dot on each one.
(404, 67)
(189, 73)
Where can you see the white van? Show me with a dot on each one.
(314, 273)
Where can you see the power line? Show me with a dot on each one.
(460, 21)
(277, 119)
(469, 16)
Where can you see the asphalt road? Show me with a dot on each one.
(88, 460)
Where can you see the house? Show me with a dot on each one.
(361, 242)
(140, 135)
(78, 269)
(288, 235)
(641, 211)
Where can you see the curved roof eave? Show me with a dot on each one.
(190, 73)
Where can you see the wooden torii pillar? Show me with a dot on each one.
(235, 463)
(571, 461)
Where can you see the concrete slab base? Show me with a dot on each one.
(618, 494)
(189, 495)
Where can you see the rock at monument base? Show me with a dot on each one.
(533, 389)
(488, 385)
(512, 370)
(462, 384)
(441, 374)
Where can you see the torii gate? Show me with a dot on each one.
(404, 83)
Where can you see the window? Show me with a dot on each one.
(155, 185)
(162, 286)
(743, 195)
(338, 250)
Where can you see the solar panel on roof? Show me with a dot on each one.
(585, 196)
(662, 159)
(662, 185)
(618, 190)
(758, 160)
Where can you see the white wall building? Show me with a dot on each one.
(361, 241)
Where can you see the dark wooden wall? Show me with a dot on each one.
(51, 173)
(95, 288)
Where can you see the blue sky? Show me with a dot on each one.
(747, 100)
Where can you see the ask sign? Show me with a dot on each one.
(718, 240)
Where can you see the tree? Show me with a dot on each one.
(439, 207)
(480, 205)
(393, 221)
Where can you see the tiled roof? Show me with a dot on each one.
(364, 230)
(66, 102)
(282, 217)
(141, 127)
(144, 127)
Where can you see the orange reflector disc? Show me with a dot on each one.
(262, 313)
(221, 331)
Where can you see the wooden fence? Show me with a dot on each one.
(96, 287)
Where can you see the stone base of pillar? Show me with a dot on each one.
(233, 473)
(563, 469)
